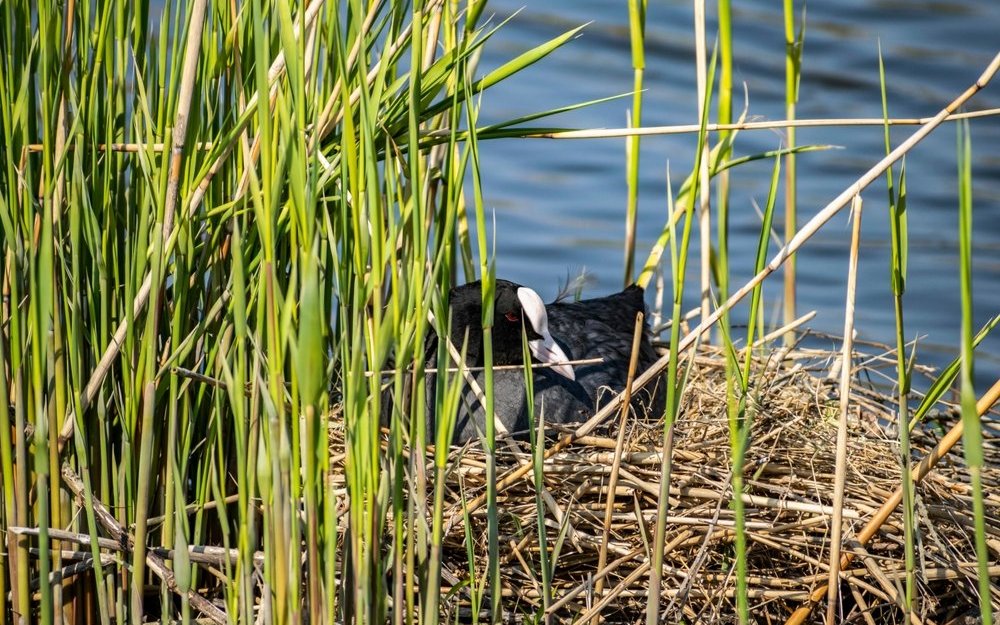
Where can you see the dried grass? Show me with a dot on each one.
(789, 478)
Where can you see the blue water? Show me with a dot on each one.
(559, 205)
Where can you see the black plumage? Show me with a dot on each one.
(580, 330)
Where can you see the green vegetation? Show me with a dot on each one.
(226, 232)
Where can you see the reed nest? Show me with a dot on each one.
(789, 486)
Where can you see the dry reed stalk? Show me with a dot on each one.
(768, 125)
(785, 329)
(704, 179)
(919, 472)
(846, 357)
(534, 365)
(189, 71)
(155, 562)
(617, 460)
(127, 148)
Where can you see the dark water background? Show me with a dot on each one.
(560, 204)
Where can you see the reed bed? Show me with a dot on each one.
(788, 477)
(218, 220)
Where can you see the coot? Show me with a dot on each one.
(557, 332)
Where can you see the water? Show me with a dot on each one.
(560, 204)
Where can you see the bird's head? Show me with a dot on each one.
(515, 308)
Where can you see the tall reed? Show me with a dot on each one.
(206, 217)
(972, 432)
(228, 231)
(793, 72)
(897, 273)
(637, 37)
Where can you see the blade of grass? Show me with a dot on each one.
(897, 270)
(637, 36)
(536, 439)
(946, 378)
(972, 435)
(793, 69)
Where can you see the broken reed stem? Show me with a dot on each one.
(154, 561)
(804, 234)
(203, 554)
(785, 329)
(600, 575)
(919, 472)
(67, 536)
(609, 507)
(840, 472)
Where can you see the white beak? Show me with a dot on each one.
(544, 349)
(547, 350)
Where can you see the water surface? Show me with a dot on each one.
(560, 204)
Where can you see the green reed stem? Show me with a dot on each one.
(897, 277)
(536, 437)
(972, 434)
(793, 71)
(675, 384)
(637, 36)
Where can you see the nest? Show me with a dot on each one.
(788, 498)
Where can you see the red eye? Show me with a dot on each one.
(512, 316)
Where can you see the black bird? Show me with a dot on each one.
(557, 332)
